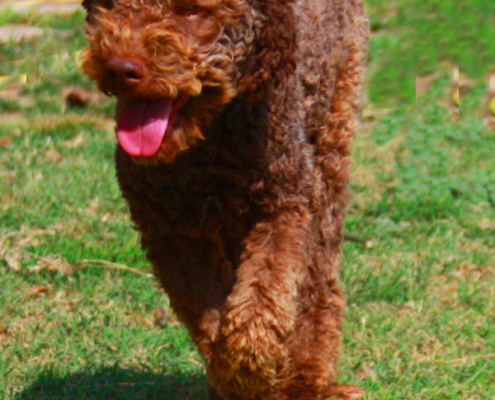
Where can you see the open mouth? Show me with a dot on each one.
(143, 123)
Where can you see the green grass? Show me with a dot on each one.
(420, 322)
(417, 38)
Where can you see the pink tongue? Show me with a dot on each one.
(142, 125)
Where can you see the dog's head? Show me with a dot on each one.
(174, 64)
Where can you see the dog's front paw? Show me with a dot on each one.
(254, 331)
(250, 356)
(255, 345)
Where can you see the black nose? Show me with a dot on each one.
(126, 73)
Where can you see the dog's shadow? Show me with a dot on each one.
(115, 383)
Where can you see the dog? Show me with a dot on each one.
(234, 122)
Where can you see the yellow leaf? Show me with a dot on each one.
(455, 97)
(79, 58)
(491, 106)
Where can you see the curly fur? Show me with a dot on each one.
(241, 208)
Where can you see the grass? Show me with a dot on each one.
(420, 322)
(416, 38)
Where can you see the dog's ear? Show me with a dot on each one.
(274, 58)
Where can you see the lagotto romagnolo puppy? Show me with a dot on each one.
(234, 122)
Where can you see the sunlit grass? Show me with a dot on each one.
(421, 309)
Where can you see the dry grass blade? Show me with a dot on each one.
(147, 272)
(466, 358)
(365, 242)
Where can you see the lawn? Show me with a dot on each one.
(80, 315)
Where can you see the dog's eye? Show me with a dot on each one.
(189, 10)
(108, 4)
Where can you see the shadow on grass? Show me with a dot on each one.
(115, 383)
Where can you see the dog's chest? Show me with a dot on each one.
(192, 196)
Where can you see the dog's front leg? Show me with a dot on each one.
(250, 354)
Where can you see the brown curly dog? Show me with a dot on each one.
(234, 121)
